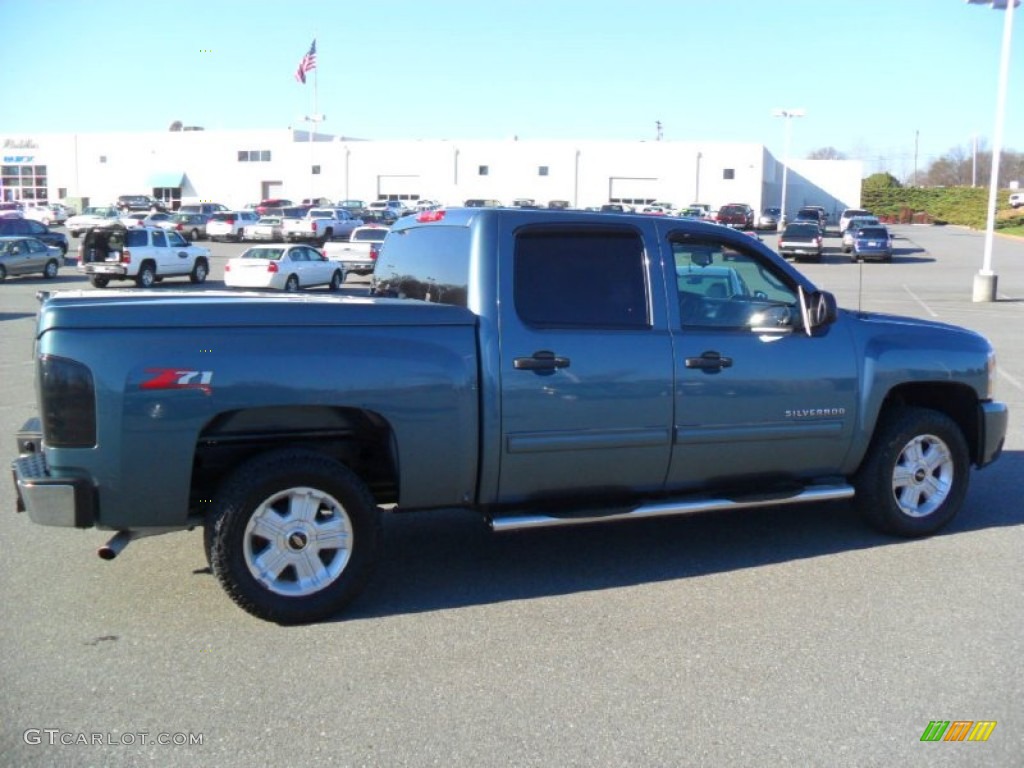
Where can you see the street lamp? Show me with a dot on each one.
(787, 114)
(985, 281)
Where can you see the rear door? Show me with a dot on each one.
(174, 250)
(585, 365)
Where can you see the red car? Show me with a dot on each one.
(273, 202)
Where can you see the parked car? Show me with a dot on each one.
(802, 241)
(19, 227)
(355, 207)
(286, 267)
(872, 243)
(477, 202)
(10, 209)
(42, 213)
(769, 218)
(208, 208)
(272, 202)
(810, 214)
(736, 215)
(143, 219)
(28, 256)
(139, 203)
(230, 225)
(192, 226)
(1016, 200)
(145, 255)
(93, 216)
(360, 252)
(849, 213)
(853, 224)
(270, 228)
(394, 209)
(610, 208)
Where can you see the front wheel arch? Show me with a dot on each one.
(914, 477)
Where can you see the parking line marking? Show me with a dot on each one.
(1003, 374)
(923, 305)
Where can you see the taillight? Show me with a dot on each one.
(374, 251)
(179, 226)
(272, 266)
(229, 222)
(314, 226)
(68, 399)
(126, 256)
(427, 216)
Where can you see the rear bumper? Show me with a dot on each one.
(68, 502)
(993, 421)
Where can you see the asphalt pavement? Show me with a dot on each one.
(792, 636)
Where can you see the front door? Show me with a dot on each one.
(757, 398)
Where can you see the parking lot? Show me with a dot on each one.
(767, 637)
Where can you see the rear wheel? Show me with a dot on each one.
(914, 478)
(293, 536)
(193, 235)
(147, 275)
(292, 283)
(336, 280)
(3, 272)
(99, 282)
(50, 270)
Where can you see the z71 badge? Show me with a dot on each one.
(173, 378)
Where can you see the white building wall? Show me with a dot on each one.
(586, 173)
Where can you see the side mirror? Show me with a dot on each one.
(822, 309)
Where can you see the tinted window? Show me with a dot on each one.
(430, 263)
(801, 230)
(580, 279)
(873, 232)
(159, 239)
(369, 234)
(136, 238)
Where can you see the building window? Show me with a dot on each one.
(254, 156)
(542, 170)
(23, 182)
(483, 170)
(316, 170)
(729, 173)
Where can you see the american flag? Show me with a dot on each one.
(307, 64)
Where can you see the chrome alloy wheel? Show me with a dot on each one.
(298, 541)
(923, 475)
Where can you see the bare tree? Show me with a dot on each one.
(826, 153)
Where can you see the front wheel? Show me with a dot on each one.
(200, 271)
(914, 478)
(293, 536)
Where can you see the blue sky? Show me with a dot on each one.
(870, 74)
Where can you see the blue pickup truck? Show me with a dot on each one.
(538, 367)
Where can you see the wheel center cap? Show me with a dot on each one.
(920, 475)
(297, 540)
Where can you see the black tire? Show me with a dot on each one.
(147, 275)
(3, 273)
(98, 281)
(51, 269)
(914, 477)
(292, 283)
(193, 235)
(336, 280)
(200, 271)
(290, 562)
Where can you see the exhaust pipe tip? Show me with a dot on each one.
(113, 548)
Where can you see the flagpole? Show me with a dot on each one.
(316, 117)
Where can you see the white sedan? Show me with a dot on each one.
(284, 267)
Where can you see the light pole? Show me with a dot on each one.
(986, 279)
(696, 186)
(787, 114)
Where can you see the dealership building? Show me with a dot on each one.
(242, 167)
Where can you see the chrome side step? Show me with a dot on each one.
(804, 495)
